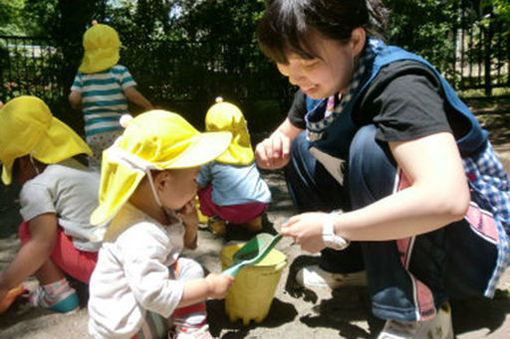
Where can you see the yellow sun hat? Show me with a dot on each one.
(101, 44)
(157, 140)
(224, 116)
(28, 127)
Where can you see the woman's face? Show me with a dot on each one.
(180, 187)
(329, 73)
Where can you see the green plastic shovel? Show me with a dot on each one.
(252, 252)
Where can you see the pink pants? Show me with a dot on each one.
(235, 214)
(76, 263)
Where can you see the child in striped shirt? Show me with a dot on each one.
(102, 88)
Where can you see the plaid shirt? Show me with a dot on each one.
(488, 177)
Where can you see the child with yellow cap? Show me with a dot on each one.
(232, 189)
(58, 195)
(147, 191)
(102, 88)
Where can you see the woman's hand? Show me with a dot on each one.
(273, 152)
(306, 230)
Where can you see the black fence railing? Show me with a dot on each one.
(30, 65)
(183, 76)
(482, 54)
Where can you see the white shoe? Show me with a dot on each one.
(315, 277)
(439, 327)
(201, 332)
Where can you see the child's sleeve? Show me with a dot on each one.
(204, 176)
(125, 78)
(77, 83)
(35, 200)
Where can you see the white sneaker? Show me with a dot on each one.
(201, 332)
(439, 327)
(315, 277)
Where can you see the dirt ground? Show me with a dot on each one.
(294, 313)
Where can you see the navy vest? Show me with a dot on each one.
(337, 137)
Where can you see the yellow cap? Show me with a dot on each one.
(101, 44)
(224, 116)
(153, 140)
(28, 127)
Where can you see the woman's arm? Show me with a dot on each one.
(438, 195)
(274, 151)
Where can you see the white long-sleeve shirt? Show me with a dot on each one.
(132, 276)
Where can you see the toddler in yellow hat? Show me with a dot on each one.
(58, 195)
(231, 187)
(102, 88)
(147, 191)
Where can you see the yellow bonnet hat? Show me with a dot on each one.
(28, 127)
(101, 44)
(153, 140)
(224, 116)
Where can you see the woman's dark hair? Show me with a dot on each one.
(286, 24)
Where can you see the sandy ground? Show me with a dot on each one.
(294, 313)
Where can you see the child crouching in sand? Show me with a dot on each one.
(231, 187)
(147, 189)
(57, 196)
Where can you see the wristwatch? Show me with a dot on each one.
(329, 237)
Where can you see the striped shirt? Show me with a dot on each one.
(103, 99)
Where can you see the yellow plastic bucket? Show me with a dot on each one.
(252, 292)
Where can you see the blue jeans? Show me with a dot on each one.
(408, 279)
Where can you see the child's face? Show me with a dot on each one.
(179, 187)
(330, 72)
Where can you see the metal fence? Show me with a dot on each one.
(30, 65)
(183, 76)
(482, 54)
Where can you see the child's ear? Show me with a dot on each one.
(161, 178)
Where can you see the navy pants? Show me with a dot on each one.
(408, 279)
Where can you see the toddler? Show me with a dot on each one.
(148, 189)
(102, 87)
(231, 188)
(58, 195)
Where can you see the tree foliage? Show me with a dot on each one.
(192, 50)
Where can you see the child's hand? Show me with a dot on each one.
(219, 284)
(189, 216)
(188, 208)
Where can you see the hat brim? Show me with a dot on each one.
(61, 142)
(58, 143)
(99, 60)
(237, 155)
(207, 147)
